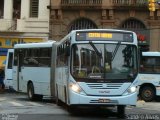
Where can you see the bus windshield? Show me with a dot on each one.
(104, 61)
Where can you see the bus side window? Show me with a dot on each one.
(44, 58)
(15, 57)
(10, 60)
(157, 65)
(148, 65)
(29, 59)
(62, 54)
(26, 57)
(141, 63)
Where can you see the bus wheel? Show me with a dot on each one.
(30, 91)
(147, 93)
(39, 97)
(121, 111)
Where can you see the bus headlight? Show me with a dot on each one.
(130, 90)
(76, 88)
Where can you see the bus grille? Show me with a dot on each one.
(104, 85)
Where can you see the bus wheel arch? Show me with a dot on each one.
(147, 92)
(30, 90)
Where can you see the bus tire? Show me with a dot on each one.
(30, 92)
(121, 111)
(147, 93)
(39, 97)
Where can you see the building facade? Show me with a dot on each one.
(22, 21)
(134, 15)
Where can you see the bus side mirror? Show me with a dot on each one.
(67, 51)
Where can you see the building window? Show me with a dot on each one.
(133, 24)
(16, 9)
(82, 23)
(34, 8)
(143, 35)
(1, 8)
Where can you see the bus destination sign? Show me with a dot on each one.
(100, 35)
(103, 36)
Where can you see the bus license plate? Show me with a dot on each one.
(103, 100)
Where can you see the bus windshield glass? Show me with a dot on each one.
(104, 61)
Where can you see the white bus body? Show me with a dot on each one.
(78, 79)
(32, 69)
(8, 69)
(149, 77)
(95, 67)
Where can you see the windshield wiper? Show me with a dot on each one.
(115, 50)
(95, 49)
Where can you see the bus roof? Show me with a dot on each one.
(35, 45)
(150, 53)
(116, 30)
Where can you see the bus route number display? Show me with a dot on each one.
(103, 36)
(100, 35)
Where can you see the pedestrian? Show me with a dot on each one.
(2, 86)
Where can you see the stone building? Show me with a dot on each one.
(134, 15)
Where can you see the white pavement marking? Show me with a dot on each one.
(35, 104)
(129, 108)
(16, 104)
(2, 98)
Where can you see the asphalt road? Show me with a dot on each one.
(15, 106)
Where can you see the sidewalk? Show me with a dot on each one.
(140, 103)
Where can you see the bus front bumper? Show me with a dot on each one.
(78, 99)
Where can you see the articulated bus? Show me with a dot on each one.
(149, 76)
(93, 67)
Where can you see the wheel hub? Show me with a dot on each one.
(147, 93)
